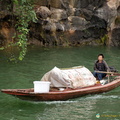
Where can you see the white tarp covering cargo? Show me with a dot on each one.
(73, 77)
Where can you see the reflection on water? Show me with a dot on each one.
(80, 108)
(40, 60)
(72, 111)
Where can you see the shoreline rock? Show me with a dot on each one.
(73, 22)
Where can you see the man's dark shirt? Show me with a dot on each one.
(101, 66)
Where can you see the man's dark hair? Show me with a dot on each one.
(101, 55)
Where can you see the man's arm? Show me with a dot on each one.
(107, 67)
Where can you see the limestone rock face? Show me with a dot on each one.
(70, 22)
(115, 32)
(43, 12)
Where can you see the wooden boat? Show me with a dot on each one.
(57, 95)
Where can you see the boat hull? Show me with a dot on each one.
(28, 94)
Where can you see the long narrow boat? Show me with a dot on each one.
(57, 95)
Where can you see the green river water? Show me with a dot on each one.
(40, 60)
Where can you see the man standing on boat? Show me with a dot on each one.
(100, 65)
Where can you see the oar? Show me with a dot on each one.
(113, 73)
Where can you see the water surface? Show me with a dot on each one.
(40, 60)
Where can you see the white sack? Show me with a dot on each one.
(73, 78)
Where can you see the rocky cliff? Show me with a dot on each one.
(68, 22)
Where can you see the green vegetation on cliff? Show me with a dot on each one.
(23, 10)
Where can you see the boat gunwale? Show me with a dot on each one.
(106, 86)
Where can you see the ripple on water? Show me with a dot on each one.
(101, 97)
(89, 97)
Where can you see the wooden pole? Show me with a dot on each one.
(113, 73)
(108, 78)
(104, 72)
